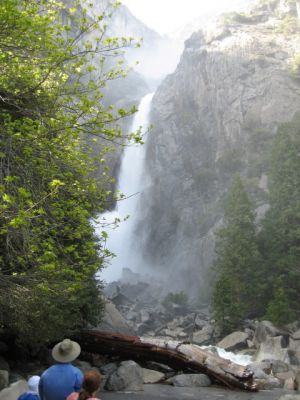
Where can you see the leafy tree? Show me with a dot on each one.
(53, 67)
(237, 262)
(281, 229)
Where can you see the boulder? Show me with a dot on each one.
(271, 349)
(3, 379)
(279, 366)
(294, 344)
(269, 383)
(203, 336)
(108, 369)
(289, 397)
(296, 335)
(14, 390)
(265, 366)
(234, 341)
(151, 376)
(297, 381)
(289, 384)
(129, 376)
(288, 376)
(113, 321)
(265, 329)
(190, 380)
(4, 364)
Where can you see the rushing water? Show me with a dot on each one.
(130, 183)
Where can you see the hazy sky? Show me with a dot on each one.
(165, 16)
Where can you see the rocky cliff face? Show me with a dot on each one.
(214, 117)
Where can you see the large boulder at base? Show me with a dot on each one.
(190, 380)
(151, 376)
(290, 397)
(14, 390)
(234, 341)
(113, 321)
(271, 349)
(129, 376)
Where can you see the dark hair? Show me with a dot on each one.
(91, 383)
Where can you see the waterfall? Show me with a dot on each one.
(129, 182)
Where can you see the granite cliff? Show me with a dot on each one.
(215, 116)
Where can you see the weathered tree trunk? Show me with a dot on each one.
(179, 356)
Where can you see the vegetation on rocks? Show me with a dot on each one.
(51, 105)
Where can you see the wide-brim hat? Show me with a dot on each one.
(66, 351)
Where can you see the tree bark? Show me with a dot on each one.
(179, 356)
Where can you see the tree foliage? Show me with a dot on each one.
(258, 273)
(281, 229)
(238, 263)
(53, 66)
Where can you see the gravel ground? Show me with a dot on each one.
(154, 392)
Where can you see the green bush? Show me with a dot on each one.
(179, 298)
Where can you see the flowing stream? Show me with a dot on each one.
(130, 183)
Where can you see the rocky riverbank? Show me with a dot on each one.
(272, 353)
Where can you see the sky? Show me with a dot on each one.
(165, 16)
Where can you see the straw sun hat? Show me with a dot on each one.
(66, 351)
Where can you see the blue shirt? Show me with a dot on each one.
(58, 381)
(28, 396)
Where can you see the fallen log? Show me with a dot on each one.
(179, 356)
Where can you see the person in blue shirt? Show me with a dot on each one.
(33, 386)
(60, 380)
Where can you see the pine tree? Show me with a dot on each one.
(281, 229)
(238, 262)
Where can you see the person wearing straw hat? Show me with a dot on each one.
(58, 381)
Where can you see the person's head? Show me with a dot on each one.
(90, 385)
(66, 351)
(33, 384)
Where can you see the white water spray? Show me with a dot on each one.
(130, 184)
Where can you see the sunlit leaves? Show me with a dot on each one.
(53, 70)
